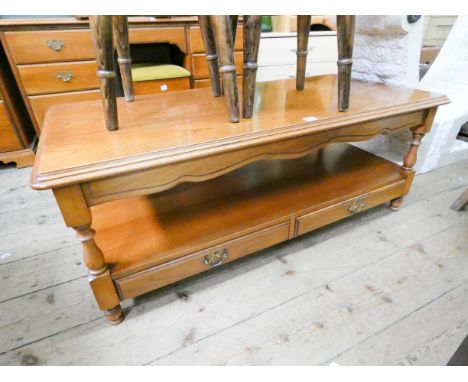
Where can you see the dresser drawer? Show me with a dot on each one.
(200, 66)
(41, 103)
(50, 46)
(282, 50)
(159, 86)
(58, 78)
(196, 40)
(198, 262)
(277, 72)
(316, 219)
(8, 139)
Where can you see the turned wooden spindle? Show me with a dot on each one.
(252, 29)
(233, 19)
(222, 26)
(101, 31)
(120, 30)
(345, 35)
(211, 54)
(303, 30)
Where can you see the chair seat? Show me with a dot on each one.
(150, 71)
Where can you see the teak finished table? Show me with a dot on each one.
(178, 190)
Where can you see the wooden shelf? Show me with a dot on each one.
(141, 232)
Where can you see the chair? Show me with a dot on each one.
(108, 31)
(218, 35)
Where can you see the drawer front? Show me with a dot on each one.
(172, 35)
(186, 266)
(316, 219)
(50, 46)
(196, 40)
(8, 139)
(59, 78)
(160, 86)
(282, 50)
(40, 104)
(200, 66)
(270, 73)
(206, 83)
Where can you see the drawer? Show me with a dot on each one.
(196, 40)
(59, 77)
(277, 72)
(41, 103)
(50, 46)
(159, 86)
(206, 83)
(198, 262)
(8, 139)
(316, 219)
(282, 50)
(200, 66)
(172, 35)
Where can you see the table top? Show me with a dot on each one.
(164, 128)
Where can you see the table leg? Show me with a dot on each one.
(120, 31)
(211, 54)
(77, 215)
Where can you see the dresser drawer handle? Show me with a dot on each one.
(65, 76)
(216, 258)
(356, 206)
(55, 44)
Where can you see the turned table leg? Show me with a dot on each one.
(345, 34)
(222, 26)
(211, 54)
(77, 215)
(252, 29)
(120, 30)
(412, 155)
(303, 30)
(101, 31)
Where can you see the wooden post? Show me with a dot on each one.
(101, 31)
(303, 30)
(252, 29)
(120, 30)
(233, 24)
(77, 215)
(211, 54)
(345, 34)
(223, 37)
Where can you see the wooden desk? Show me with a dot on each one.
(178, 190)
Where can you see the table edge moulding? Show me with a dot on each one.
(178, 189)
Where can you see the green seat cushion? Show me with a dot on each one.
(148, 72)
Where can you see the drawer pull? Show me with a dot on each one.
(65, 76)
(356, 206)
(55, 44)
(216, 258)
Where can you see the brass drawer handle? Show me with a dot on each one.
(356, 206)
(216, 258)
(65, 76)
(55, 44)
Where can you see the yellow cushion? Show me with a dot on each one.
(148, 72)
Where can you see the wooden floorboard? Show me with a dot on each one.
(378, 288)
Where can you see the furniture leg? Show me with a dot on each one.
(345, 33)
(252, 29)
(101, 30)
(223, 37)
(211, 54)
(120, 30)
(233, 19)
(77, 215)
(303, 29)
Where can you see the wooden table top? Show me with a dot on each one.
(159, 129)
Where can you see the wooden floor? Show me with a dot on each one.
(379, 288)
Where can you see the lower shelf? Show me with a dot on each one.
(156, 240)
